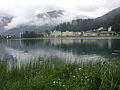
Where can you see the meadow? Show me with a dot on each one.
(56, 74)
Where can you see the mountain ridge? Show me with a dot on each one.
(90, 24)
(74, 25)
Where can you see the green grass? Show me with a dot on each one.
(54, 74)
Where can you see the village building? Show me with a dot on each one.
(107, 33)
(77, 33)
(67, 34)
(45, 34)
(101, 28)
(90, 33)
(110, 28)
(8, 36)
(55, 33)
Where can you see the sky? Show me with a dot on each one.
(25, 9)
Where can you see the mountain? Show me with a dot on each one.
(61, 20)
(20, 29)
(90, 24)
(110, 15)
(41, 22)
(4, 21)
(51, 14)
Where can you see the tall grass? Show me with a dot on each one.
(54, 74)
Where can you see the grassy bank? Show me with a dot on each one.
(53, 74)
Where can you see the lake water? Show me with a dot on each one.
(84, 49)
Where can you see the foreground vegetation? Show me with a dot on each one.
(54, 74)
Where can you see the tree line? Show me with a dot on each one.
(90, 24)
(31, 34)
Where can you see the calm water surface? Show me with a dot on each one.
(67, 49)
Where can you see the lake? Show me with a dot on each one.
(83, 49)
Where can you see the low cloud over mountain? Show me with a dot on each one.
(51, 12)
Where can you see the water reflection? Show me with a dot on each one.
(68, 49)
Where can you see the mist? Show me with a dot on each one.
(24, 12)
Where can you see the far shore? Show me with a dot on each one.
(80, 37)
(72, 37)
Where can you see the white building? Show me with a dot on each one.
(110, 29)
(101, 28)
(55, 33)
(77, 33)
(90, 33)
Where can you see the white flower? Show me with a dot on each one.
(79, 68)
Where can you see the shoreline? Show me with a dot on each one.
(76, 38)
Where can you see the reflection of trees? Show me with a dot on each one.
(29, 42)
(85, 46)
(81, 46)
(116, 44)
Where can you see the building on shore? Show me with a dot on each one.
(67, 34)
(45, 34)
(90, 33)
(107, 32)
(55, 33)
(77, 33)
(96, 32)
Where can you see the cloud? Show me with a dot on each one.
(25, 10)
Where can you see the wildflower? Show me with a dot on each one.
(60, 83)
(74, 76)
(79, 68)
(54, 82)
(86, 77)
(50, 76)
(63, 85)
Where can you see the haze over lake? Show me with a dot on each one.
(66, 49)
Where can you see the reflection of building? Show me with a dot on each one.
(67, 41)
(89, 42)
(55, 41)
(102, 43)
(67, 33)
(109, 43)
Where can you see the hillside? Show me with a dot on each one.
(4, 21)
(52, 20)
(106, 20)
(40, 23)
